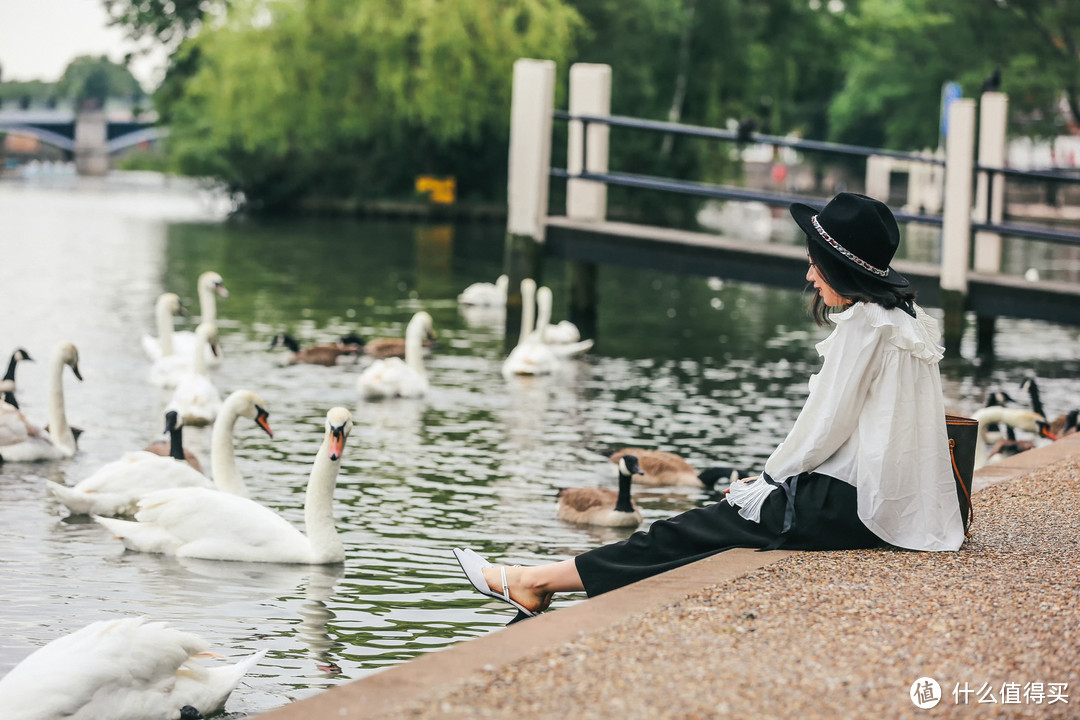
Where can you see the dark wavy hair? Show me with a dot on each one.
(853, 285)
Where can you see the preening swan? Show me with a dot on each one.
(174, 446)
(7, 384)
(196, 397)
(167, 305)
(485, 294)
(531, 356)
(123, 669)
(22, 442)
(1020, 419)
(200, 523)
(603, 506)
(394, 377)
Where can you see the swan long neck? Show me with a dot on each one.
(207, 304)
(319, 504)
(414, 345)
(223, 455)
(528, 311)
(165, 329)
(543, 315)
(59, 431)
(198, 361)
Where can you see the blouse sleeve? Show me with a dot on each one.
(852, 356)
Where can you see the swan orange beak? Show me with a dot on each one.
(1045, 431)
(337, 443)
(262, 420)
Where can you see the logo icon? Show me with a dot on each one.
(925, 693)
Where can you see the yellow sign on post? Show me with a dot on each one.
(440, 191)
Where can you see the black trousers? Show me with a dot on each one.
(825, 518)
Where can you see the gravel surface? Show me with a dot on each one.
(836, 634)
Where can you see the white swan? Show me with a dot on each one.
(116, 487)
(564, 339)
(485, 294)
(196, 397)
(22, 442)
(123, 669)
(1014, 417)
(394, 377)
(200, 523)
(167, 305)
(210, 286)
(531, 356)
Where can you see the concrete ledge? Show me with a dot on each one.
(376, 695)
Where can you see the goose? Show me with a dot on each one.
(531, 356)
(564, 337)
(22, 442)
(661, 468)
(326, 354)
(116, 488)
(394, 377)
(603, 506)
(485, 294)
(209, 286)
(167, 305)
(1020, 419)
(388, 347)
(201, 523)
(1058, 425)
(174, 446)
(122, 669)
(7, 384)
(196, 397)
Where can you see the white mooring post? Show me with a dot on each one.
(993, 114)
(590, 94)
(91, 155)
(956, 219)
(532, 102)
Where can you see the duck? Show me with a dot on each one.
(167, 305)
(1020, 419)
(326, 354)
(174, 446)
(116, 488)
(21, 441)
(485, 294)
(531, 356)
(603, 506)
(196, 397)
(210, 287)
(7, 384)
(1060, 424)
(212, 525)
(127, 668)
(662, 468)
(393, 377)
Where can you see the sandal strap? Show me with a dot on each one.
(505, 587)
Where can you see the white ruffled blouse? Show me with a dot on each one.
(875, 418)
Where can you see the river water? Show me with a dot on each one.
(713, 370)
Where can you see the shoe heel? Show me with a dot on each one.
(521, 615)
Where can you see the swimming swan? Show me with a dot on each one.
(564, 339)
(485, 294)
(394, 377)
(22, 442)
(123, 669)
(201, 523)
(196, 397)
(167, 305)
(531, 356)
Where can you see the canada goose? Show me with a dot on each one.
(603, 506)
(196, 397)
(1058, 425)
(1020, 419)
(394, 377)
(485, 294)
(563, 338)
(388, 347)
(123, 668)
(174, 446)
(531, 356)
(167, 305)
(7, 384)
(22, 442)
(326, 354)
(994, 431)
(202, 523)
(661, 468)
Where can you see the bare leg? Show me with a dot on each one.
(534, 587)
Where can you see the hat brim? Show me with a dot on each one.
(802, 213)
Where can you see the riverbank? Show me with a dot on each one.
(808, 635)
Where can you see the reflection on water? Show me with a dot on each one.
(715, 371)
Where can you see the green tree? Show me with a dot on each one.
(90, 79)
(167, 21)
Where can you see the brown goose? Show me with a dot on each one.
(322, 354)
(662, 468)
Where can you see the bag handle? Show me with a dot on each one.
(967, 492)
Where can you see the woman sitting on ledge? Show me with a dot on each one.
(866, 462)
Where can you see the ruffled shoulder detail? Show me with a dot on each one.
(919, 335)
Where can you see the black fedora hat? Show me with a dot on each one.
(858, 230)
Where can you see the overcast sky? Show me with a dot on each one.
(38, 38)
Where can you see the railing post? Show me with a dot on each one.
(989, 201)
(532, 102)
(587, 150)
(956, 220)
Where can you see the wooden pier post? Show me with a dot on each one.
(989, 201)
(956, 220)
(532, 102)
(587, 151)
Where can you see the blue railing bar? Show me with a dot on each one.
(717, 134)
(719, 192)
(1031, 233)
(1032, 174)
